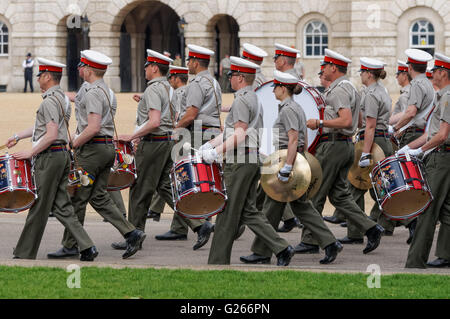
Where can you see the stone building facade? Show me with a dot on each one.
(123, 29)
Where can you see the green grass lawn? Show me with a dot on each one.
(106, 283)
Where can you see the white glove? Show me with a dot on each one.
(284, 173)
(364, 160)
(403, 150)
(415, 152)
(391, 130)
(206, 146)
(209, 156)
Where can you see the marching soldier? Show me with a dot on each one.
(155, 122)
(437, 166)
(95, 153)
(256, 55)
(51, 167)
(291, 125)
(420, 101)
(201, 119)
(404, 80)
(375, 113)
(241, 134)
(335, 152)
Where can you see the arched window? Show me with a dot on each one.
(422, 36)
(3, 39)
(316, 39)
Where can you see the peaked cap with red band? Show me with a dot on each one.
(336, 58)
(198, 52)
(95, 59)
(178, 70)
(242, 65)
(371, 64)
(252, 52)
(429, 73)
(416, 56)
(156, 57)
(441, 61)
(284, 50)
(46, 65)
(402, 66)
(284, 78)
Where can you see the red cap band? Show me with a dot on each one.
(178, 71)
(415, 61)
(402, 69)
(242, 69)
(50, 68)
(335, 61)
(363, 67)
(429, 75)
(156, 60)
(251, 56)
(278, 82)
(93, 64)
(442, 64)
(199, 55)
(285, 53)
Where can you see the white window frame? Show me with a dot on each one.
(1, 39)
(422, 23)
(312, 34)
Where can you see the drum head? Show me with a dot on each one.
(406, 204)
(120, 179)
(16, 201)
(307, 100)
(201, 204)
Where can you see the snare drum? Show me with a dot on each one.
(17, 187)
(400, 187)
(198, 190)
(123, 173)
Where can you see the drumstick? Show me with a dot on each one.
(3, 146)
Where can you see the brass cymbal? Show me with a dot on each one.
(358, 176)
(295, 187)
(316, 175)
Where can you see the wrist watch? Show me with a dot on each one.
(16, 137)
(321, 124)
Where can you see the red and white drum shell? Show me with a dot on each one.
(400, 186)
(123, 173)
(17, 186)
(310, 99)
(198, 189)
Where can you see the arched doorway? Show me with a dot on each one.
(149, 25)
(226, 38)
(73, 39)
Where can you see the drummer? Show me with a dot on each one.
(437, 167)
(335, 152)
(155, 122)
(51, 167)
(291, 126)
(199, 122)
(241, 170)
(420, 101)
(375, 113)
(404, 80)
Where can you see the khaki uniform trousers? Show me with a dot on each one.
(96, 160)
(241, 181)
(153, 165)
(51, 171)
(437, 168)
(336, 158)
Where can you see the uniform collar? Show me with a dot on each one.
(285, 102)
(372, 86)
(244, 89)
(443, 91)
(51, 90)
(405, 88)
(206, 72)
(159, 79)
(337, 81)
(421, 76)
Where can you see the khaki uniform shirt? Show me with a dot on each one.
(421, 95)
(97, 100)
(259, 80)
(290, 117)
(50, 110)
(247, 109)
(156, 96)
(79, 97)
(342, 95)
(200, 94)
(376, 104)
(402, 102)
(440, 113)
(179, 100)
